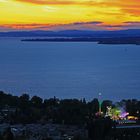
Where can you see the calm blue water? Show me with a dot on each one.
(70, 70)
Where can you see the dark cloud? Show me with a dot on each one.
(92, 22)
(92, 25)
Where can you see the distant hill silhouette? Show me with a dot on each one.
(73, 33)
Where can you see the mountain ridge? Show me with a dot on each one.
(73, 33)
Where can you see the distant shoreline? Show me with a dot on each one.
(117, 41)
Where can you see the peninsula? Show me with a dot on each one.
(114, 40)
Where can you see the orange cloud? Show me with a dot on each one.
(95, 25)
(76, 25)
(128, 6)
(132, 11)
(54, 14)
(44, 2)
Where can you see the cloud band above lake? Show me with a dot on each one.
(63, 14)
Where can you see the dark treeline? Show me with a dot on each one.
(65, 111)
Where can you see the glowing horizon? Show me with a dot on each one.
(69, 14)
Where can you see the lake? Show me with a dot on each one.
(69, 69)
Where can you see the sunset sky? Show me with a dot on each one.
(69, 14)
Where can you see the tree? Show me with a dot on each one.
(25, 97)
(105, 104)
(36, 101)
(24, 102)
(93, 106)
